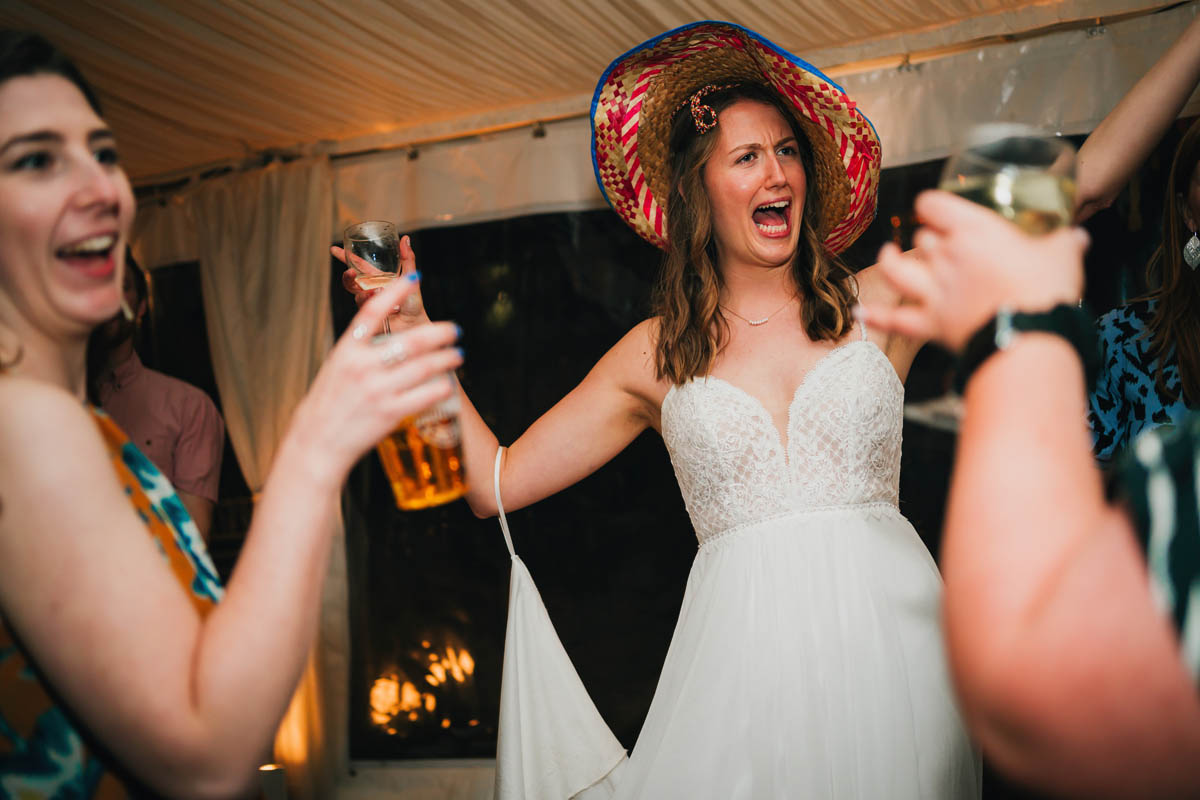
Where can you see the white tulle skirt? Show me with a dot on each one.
(807, 663)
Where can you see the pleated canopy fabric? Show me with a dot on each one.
(189, 83)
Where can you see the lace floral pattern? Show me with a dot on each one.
(843, 442)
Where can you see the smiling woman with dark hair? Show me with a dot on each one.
(125, 667)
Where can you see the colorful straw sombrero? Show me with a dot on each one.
(639, 92)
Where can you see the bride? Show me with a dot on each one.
(807, 660)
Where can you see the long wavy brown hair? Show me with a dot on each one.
(1176, 319)
(692, 330)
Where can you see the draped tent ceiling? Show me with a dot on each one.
(189, 84)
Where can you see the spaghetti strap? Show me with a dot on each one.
(500, 504)
(862, 327)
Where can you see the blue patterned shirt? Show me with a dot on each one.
(1125, 400)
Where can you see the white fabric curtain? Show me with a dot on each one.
(262, 239)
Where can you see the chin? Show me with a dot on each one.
(97, 310)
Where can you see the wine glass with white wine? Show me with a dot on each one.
(1024, 174)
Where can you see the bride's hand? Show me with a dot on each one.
(412, 310)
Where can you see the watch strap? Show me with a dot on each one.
(1075, 324)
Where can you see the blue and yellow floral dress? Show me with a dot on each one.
(44, 751)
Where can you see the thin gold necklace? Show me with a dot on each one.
(756, 322)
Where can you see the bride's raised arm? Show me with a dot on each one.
(617, 400)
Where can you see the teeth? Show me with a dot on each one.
(776, 204)
(96, 244)
(771, 228)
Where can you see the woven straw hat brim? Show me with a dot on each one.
(638, 94)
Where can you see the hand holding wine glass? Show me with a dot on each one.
(973, 263)
(1026, 176)
(375, 255)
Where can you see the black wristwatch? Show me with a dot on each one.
(1073, 323)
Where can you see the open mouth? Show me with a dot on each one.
(93, 254)
(773, 218)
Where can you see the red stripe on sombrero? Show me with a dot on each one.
(658, 220)
(629, 123)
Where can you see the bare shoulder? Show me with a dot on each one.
(875, 290)
(47, 439)
(35, 409)
(631, 363)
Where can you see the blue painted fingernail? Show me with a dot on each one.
(459, 350)
(414, 276)
(457, 331)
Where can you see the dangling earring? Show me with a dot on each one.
(1191, 251)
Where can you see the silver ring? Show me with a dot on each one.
(359, 333)
(391, 349)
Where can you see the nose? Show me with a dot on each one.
(775, 175)
(97, 186)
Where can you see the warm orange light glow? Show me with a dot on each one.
(410, 698)
(386, 699)
(269, 767)
(396, 701)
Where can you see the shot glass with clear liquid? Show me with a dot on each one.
(373, 251)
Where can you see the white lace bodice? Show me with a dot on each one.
(843, 442)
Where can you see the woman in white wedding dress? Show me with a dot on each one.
(807, 661)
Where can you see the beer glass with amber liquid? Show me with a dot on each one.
(423, 456)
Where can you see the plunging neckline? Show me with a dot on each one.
(783, 439)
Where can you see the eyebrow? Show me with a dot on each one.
(758, 146)
(52, 137)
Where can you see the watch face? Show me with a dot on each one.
(1005, 333)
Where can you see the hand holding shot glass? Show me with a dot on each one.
(423, 456)
(372, 250)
